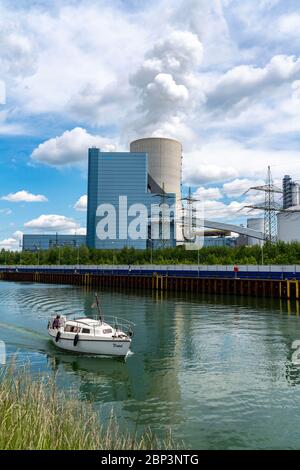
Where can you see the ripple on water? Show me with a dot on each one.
(216, 370)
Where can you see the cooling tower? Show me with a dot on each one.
(164, 166)
(164, 160)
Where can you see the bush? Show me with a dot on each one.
(280, 253)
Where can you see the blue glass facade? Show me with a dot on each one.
(93, 189)
(112, 175)
(44, 242)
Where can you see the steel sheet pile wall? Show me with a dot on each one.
(280, 287)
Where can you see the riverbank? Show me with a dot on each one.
(36, 416)
(282, 282)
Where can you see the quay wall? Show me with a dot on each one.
(256, 281)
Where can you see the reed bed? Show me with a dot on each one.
(34, 415)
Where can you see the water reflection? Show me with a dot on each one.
(208, 366)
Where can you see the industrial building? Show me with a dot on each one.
(258, 225)
(121, 185)
(45, 242)
(291, 192)
(288, 220)
(289, 225)
(115, 175)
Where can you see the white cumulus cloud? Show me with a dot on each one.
(18, 53)
(247, 81)
(2, 92)
(13, 243)
(99, 105)
(197, 171)
(238, 186)
(219, 210)
(204, 194)
(70, 148)
(232, 159)
(165, 88)
(24, 196)
(53, 223)
(81, 204)
(289, 24)
(208, 21)
(167, 82)
(208, 73)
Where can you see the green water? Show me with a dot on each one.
(216, 370)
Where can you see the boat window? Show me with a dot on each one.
(85, 330)
(106, 332)
(72, 329)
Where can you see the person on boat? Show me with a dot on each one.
(56, 322)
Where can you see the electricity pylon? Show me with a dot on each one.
(164, 217)
(189, 217)
(269, 206)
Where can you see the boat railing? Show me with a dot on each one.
(120, 324)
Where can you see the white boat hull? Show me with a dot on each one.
(92, 346)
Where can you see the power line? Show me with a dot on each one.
(269, 206)
(189, 217)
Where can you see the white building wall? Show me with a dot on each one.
(289, 226)
(255, 224)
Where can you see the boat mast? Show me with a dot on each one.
(99, 308)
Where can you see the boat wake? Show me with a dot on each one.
(24, 331)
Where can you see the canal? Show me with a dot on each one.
(215, 370)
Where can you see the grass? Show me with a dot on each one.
(34, 415)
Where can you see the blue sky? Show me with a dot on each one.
(221, 76)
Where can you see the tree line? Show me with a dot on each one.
(279, 253)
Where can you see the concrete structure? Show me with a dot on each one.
(115, 175)
(165, 167)
(164, 160)
(233, 228)
(45, 242)
(255, 224)
(291, 192)
(220, 227)
(289, 225)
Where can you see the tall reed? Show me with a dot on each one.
(35, 415)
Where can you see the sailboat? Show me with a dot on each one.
(91, 336)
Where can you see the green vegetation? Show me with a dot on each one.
(280, 253)
(35, 416)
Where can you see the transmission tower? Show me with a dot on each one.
(164, 217)
(269, 206)
(189, 217)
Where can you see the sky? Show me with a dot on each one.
(223, 77)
